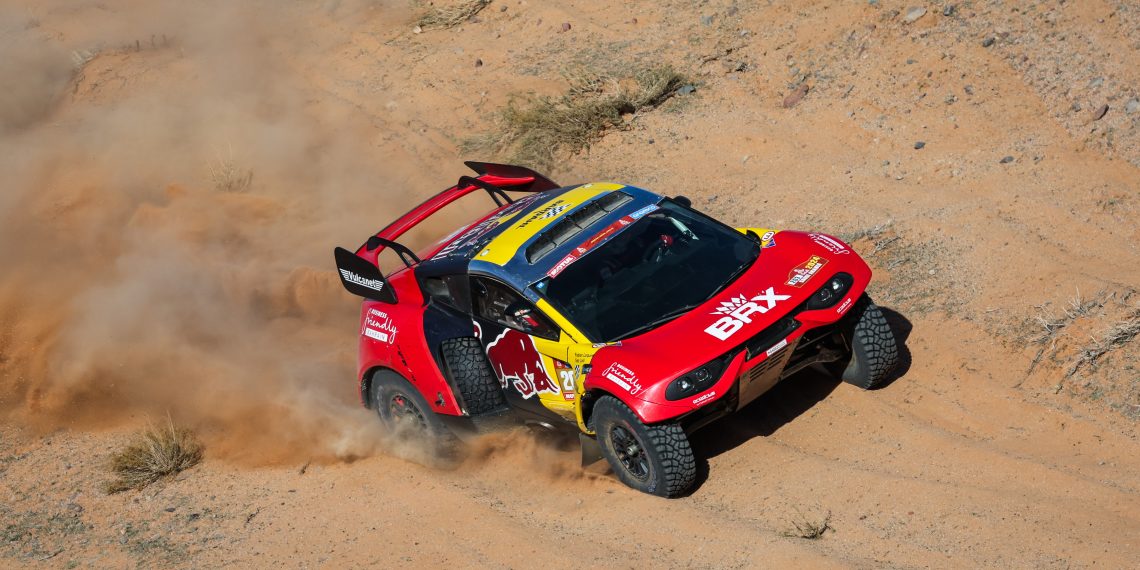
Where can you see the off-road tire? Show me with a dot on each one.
(874, 349)
(407, 415)
(476, 381)
(664, 458)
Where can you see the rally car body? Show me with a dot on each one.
(580, 292)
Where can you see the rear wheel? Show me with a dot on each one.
(874, 349)
(655, 459)
(406, 414)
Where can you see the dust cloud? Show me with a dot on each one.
(172, 190)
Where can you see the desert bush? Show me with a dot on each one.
(154, 453)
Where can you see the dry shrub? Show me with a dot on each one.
(227, 176)
(155, 453)
(534, 130)
(806, 528)
(451, 16)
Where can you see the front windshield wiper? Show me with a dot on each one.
(659, 321)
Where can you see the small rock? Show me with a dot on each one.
(651, 141)
(796, 96)
(417, 30)
(874, 3)
(1076, 106)
(686, 89)
(478, 63)
(706, 20)
(988, 41)
(169, 509)
(1132, 106)
(1006, 160)
(633, 21)
(503, 8)
(886, 163)
(565, 26)
(1096, 82)
(911, 61)
(919, 145)
(969, 89)
(1100, 112)
(733, 10)
(949, 10)
(913, 14)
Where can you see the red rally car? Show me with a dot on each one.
(603, 308)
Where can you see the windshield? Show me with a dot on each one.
(662, 265)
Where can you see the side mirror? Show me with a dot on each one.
(684, 201)
(362, 278)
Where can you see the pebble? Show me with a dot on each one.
(949, 10)
(988, 42)
(503, 8)
(796, 96)
(1006, 160)
(1100, 112)
(686, 89)
(1096, 82)
(565, 26)
(969, 89)
(706, 20)
(1132, 106)
(913, 14)
(919, 145)
(417, 30)
(478, 63)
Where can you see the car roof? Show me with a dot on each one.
(509, 251)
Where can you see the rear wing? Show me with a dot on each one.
(495, 179)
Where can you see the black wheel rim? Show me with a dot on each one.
(630, 452)
(405, 415)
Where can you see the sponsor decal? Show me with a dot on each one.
(705, 398)
(546, 212)
(777, 347)
(519, 364)
(768, 239)
(589, 244)
(476, 232)
(803, 272)
(830, 244)
(566, 375)
(374, 284)
(623, 377)
(378, 326)
(637, 215)
(554, 210)
(738, 312)
(846, 305)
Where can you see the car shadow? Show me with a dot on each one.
(786, 401)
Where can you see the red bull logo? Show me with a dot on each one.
(518, 363)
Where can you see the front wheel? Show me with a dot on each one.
(654, 459)
(874, 349)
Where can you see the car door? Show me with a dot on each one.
(526, 350)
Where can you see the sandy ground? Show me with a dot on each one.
(137, 283)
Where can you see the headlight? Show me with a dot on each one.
(698, 380)
(831, 292)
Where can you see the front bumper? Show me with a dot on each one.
(788, 346)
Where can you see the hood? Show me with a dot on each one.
(791, 267)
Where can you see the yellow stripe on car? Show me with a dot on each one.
(504, 247)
